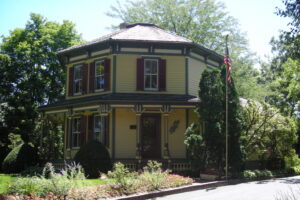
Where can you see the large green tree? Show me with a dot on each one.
(30, 72)
(204, 22)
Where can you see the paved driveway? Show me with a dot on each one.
(278, 189)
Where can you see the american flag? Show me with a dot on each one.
(227, 62)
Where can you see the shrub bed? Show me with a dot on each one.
(260, 174)
(68, 183)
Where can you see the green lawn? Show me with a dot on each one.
(6, 179)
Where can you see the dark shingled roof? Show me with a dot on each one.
(136, 32)
(121, 98)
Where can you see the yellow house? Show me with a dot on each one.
(134, 90)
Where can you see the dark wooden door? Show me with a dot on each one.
(150, 139)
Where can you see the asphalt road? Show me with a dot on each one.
(275, 189)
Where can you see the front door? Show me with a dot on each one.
(150, 136)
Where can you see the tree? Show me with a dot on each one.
(210, 140)
(30, 72)
(268, 135)
(202, 21)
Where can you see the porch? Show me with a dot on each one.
(133, 132)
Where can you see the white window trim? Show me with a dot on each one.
(77, 133)
(157, 73)
(101, 89)
(75, 80)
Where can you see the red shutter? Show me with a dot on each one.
(106, 129)
(68, 134)
(162, 75)
(82, 130)
(71, 81)
(140, 74)
(91, 127)
(92, 77)
(84, 78)
(106, 74)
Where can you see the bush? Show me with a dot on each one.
(256, 174)
(94, 158)
(32, 171)
(20, 158)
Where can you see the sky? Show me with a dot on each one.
(257, 18)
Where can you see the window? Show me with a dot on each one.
(99, 75)
(99, 129)
(151, 74)
(75, 132)
(78, 79)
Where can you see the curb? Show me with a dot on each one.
(160, 193)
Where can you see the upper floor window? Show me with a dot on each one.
(78, 79)
(76, 132)
(99, 76)
(151, 74)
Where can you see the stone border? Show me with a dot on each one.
(169, 191)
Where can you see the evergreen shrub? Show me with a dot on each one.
(94, 158)
(20, 158)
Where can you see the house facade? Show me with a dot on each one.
(134, 90)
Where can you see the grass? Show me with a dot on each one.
(6, 179)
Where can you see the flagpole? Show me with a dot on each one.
(226, 110)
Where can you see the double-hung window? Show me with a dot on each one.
(99, 75)
(99, 129)
(75, 132)
(78, 79)
(151, 74)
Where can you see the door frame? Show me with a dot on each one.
(157, 116)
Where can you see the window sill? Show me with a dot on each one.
(77, 94)
(151, 90)
(99, 90)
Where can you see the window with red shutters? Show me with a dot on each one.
(151, 74)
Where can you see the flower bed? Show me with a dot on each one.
(119, 182)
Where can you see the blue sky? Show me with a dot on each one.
(256, 17)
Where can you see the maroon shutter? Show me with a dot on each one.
(106, 131)
(140, 74)
(68, 134)
(71, 81)
(162, 75)
(92, 77)
(106, 74)
(84, 78)
(91, 127)
(82, 130)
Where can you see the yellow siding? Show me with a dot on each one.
(126, 74)
(125, 143)
(193, 116)
(195, 70)
(176, 140)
